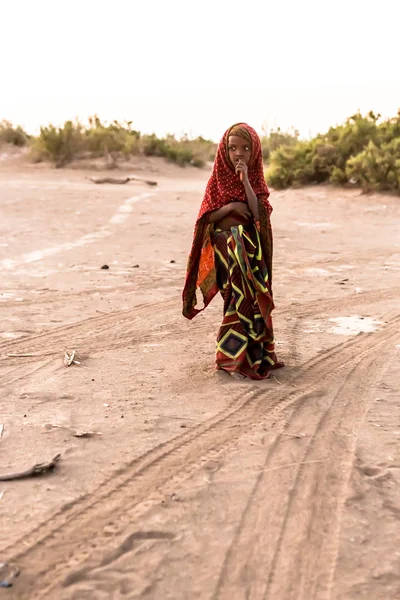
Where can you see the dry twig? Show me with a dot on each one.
(121, 180)
(37, 469)
(294, 435)
(295, 464)
(69, 358)
(30, 354)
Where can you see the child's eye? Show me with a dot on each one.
(232, 147)
(247, 148)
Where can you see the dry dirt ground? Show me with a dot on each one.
(192, 485)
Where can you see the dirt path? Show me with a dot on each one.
(192, 485)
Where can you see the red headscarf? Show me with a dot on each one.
(224, 186)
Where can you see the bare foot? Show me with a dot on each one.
(222, 375)
(226, 375)
(237, 375)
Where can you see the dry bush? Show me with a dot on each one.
(364, 150)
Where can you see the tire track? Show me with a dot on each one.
(306, 551)
(119, 328)
(115, 326)
(95, 327)
(330, 552)
(22, 372)
(99, 327)
(286, 569)
(59, 546)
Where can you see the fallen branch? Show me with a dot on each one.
(116, 180)
(85, 434)
(121, 180)
(37, 469)
(135, 178)
(76, 433)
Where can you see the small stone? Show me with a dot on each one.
(176, 497)
(105, 267)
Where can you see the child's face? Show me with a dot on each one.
(238, 149)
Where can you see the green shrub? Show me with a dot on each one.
(12, 135)
(275, 138)
(182, 151)
(153, 146)
(377, 167)
(60, 145)
(290, 166)
(364, 150)
(113, 141)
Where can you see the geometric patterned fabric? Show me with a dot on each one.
(245, 342)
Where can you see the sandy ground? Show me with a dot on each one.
(194, 486)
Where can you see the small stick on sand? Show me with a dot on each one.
(147, 181)
(296, 464)
(116, 180)
(37, 469)
(178, 417)
(22, 355)
(121, 180)
(29, 354)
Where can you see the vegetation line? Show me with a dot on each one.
(364, 151)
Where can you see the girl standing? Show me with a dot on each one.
(232, 253)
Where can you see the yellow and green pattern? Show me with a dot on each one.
(245, 342)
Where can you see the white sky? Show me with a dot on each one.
(197, 67)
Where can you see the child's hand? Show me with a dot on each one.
(241, 170)
(241, 209)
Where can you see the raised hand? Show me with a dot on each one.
(241, 170)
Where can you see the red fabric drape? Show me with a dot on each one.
(224, 186)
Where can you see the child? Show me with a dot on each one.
(232, 253)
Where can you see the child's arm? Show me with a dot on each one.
(252, 199)
(224, 211)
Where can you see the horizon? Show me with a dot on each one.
(317, 68)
